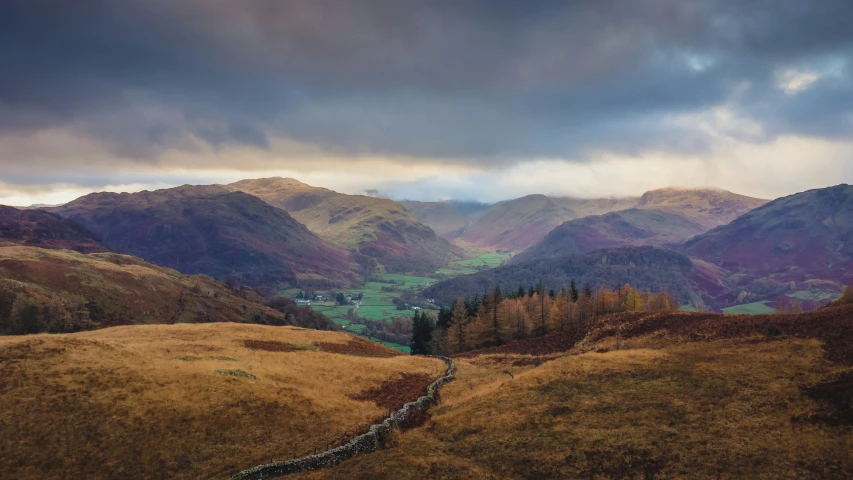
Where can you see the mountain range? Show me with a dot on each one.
(276, 233)
(516, 225)
(380, 233)
(215, 231)
(791, 246)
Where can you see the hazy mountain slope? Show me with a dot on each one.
(57, 291)
(211, 230)
(708, 207)
(616, 229)
(646, 268)
(44, 229)
(515, 225)
(804, 236)
(448, 219)
(375, 229)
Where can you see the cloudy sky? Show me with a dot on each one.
(469, 99)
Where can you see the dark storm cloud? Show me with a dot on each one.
(486, 81)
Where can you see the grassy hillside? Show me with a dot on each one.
(673, 395)
(190, 401)
(211, 230)
(60, 291)
(47, 230)
(708, 207)
(616, 229)
(379, 232)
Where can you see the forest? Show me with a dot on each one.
(496, 318)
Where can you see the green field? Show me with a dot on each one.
(818, 295)
(465, 267)
(756, 308)
(376, 304)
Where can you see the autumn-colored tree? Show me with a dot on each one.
(632, 301)
(456, 334)
(558, 318)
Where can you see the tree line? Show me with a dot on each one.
(496, 318)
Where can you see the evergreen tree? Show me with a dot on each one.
(573, 291)
(422, 329)
(445, 318)
(521, 292)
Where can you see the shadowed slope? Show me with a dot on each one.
(211, 230)
(806, 236)
(646, 268)
(515, 225)
(617, 229)
(58, 291)
(39, 228)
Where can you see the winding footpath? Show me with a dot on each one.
(368, 442)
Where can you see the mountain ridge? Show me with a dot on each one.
(377, 231)
(212, 230)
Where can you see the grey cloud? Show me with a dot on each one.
(476, 81)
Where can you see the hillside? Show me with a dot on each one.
(667, 395)
(708, 207)
(60, 291)
(190, 401)
(448, 219)
(646, 268)
(378, 231)
(518, 224)
(47, 230)
(211, 230)
(515, 225)
(799, 238)
(632, 227)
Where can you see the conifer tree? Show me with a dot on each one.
(422, 329)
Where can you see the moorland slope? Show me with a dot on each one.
(43, 229)
(191, 401)
(664, 395)
(802, 238)
(214, 231)
(59, 291)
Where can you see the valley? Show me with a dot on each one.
(426, 240)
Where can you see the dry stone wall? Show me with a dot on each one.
(368, 442)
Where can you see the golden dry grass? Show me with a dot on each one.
(144, 401)
(660, 407)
